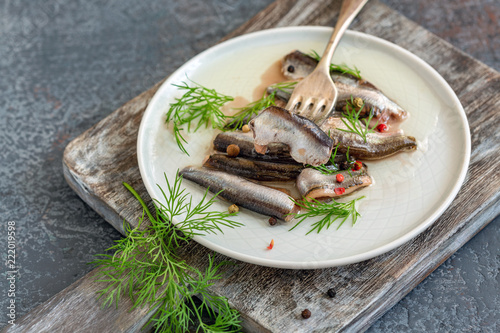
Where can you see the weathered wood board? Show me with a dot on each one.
(98, 161)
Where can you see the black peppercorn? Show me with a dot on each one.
(272, 220)
(331, 293)
(306, 314)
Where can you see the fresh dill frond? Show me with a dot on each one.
(344, 69)
(331, 212)
(333, 168)
(328, 169)
(286, 86)
(252, 109)
(351, 120)
(147, 268)
(197, 103)
(244, 114)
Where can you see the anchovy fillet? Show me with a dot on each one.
(244, 193)
(253, 169)
(377, 145)
(307, 142)
(276, 152)
(312, 183)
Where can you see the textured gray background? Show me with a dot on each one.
(66, 65)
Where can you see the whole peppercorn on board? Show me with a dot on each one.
(98, 161)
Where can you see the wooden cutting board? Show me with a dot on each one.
(98, 161)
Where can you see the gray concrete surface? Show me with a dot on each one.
(67, 64)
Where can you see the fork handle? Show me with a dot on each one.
(348, 10)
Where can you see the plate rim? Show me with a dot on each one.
(314, 264)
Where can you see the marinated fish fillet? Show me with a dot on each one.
(377, 145)
(308, 144)
(244, 193)
(313, 184)
(254, 169)
(297, 65)
(276, 152)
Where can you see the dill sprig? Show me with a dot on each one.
(351, 120)
(146, 266)
(198, 102)
(244, 114)
(285, 87)
(252, 109)
(344, 69)
(332, 168)
(331, 212)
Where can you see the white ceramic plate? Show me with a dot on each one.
(411, 190)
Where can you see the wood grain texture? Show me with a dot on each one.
(272, 299)
(76, 309)
(471, 25)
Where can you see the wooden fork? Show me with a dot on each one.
(316, 94)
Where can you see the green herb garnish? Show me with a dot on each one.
(344, 69)
(246, 113)
(331, 212)
(146, 266)
(351, 120)
(333, 168)
(330, 169)
(285, 87)
(198, 102)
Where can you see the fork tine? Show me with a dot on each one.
(321, 113)
(305, 106)
(315, 110)
(293, 103)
